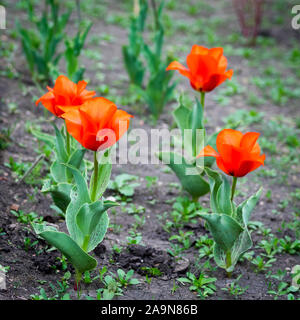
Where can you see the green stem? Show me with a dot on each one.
(228, 263)
(234, 181)
(95, 178)
(85, 242)
(195, 199)
(202, 99)
(78, 276)
(68, 143)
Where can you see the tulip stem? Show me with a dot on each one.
(85, 243)
(68, 145)
(95, 177)
(77, 288)
(234, 181)
(202, 98)
(228, 263)
(195, 199)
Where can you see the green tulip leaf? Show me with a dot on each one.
(58, 172)
(86, 214)
(182, 116)
(224, 229)
(241, 245)
(245, 209)
(81, 184)
(99, 232)
(71, 213)
(47, 138)
(215, 181)
(67, 246)
(91, 217)
(76, 158)
(79, 196)
(82, 215)
(60, 146)
(195, 185)
(98, 224)
(60, 193)
(220, 256)
(224, 197)
(187, 119)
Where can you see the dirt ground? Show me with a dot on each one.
(29, 271)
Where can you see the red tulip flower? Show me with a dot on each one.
(206, 68)
(65, 93)
(238, 153)
(97, 124)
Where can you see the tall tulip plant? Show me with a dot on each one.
(206, 69)
(97, 124)
(237, 154)
(64, 94)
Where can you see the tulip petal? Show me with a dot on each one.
(90, 141)
(239, 154)
(221, 165)
(67, 108)
(175, 65)
(249, 140)
(206, 68)
(217, 54)
(201, 69)
(98, 111)
(222, 64)
(201, 66)
(120, 123)
(229, 73)
(213, 82)
(83, 94)
(208, 151)
(65, 94)
(96, 124)
(65, 87)
(231, 157)
(86, 95)
(73, 116)
(230, 137)
(74, 124)
(81, 85)
(200, 50)
(246, 167)
(48, 101)
(254, 157)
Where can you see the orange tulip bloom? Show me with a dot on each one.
(65, 93)
(238, 153)
(96, 124)
(206, 68)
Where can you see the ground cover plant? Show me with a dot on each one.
(40, 44)
(74, 225)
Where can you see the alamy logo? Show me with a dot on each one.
(2, 17)
(296, 19)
